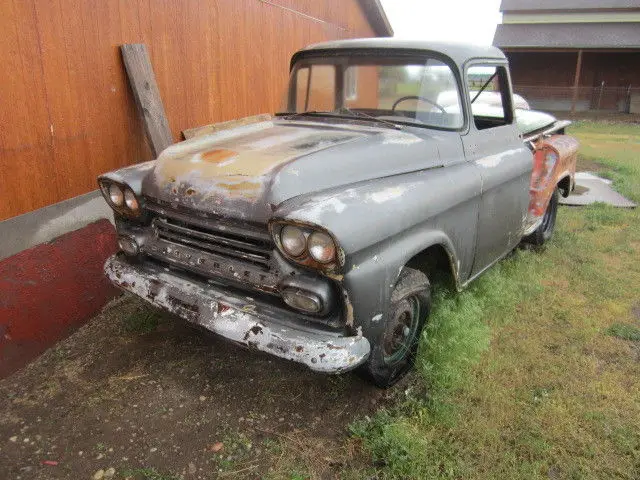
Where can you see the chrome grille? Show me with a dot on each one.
(219, 241)
(219, 249)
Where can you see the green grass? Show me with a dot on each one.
(142, 320)
(524, 374)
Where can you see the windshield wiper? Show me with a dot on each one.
(300, 114)
(369, 117)
(338, 113)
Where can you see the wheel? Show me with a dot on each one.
(543, 233)
(393, 354)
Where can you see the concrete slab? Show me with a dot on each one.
(591, 188)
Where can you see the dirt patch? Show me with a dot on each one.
(635, 311)
(586, 164)
(164, 400)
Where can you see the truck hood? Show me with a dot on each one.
(246, 172)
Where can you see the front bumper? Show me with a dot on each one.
(242, 322)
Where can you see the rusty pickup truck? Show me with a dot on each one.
(315, 234)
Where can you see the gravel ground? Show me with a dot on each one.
(139, 394)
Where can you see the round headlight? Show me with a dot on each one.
(128, 245)
(131, 201)
(321, 247)
(116, 195)
(293, 241)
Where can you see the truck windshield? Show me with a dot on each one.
(405, 91)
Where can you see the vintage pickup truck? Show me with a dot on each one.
(315, 234)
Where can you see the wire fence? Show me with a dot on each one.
(601, 98)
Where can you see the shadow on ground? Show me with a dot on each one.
(108, 397)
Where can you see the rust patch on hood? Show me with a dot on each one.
(234, 164)
(241, 188)
(253, 153)
(218, 155)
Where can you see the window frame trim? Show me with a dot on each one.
(507, 96)
(338, 57)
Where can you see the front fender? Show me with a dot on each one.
(131, 175)
(370, 282)
(380, 225)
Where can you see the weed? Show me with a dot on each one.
(624, 331)
(143, 319)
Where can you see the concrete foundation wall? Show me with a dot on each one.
(51, 278)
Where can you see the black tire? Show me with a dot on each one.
(544, 232)
(393, 353)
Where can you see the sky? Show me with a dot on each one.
(447, 20)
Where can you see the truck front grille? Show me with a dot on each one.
(247, 249)
(213, 248)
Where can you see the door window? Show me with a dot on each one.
(489, 96)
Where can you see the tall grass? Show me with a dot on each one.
(514, 376)
(406, 439)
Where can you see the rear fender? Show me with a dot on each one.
(554, 159)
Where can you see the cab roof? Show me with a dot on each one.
(458, 52)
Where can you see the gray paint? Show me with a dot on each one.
(458, 52)
(45, 224)
(568, 35)
(385, 195)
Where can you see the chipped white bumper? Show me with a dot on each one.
(200, 303)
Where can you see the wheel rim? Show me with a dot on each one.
(401, 330)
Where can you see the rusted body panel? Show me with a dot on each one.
(554, 163)
(212, 209)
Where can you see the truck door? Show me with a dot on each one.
(494, 145)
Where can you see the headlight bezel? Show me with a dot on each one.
(123, 209)
(305, 258)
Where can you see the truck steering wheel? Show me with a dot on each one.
(416, 97)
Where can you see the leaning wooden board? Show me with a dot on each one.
(147, 96)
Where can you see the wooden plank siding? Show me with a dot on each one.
(67, 113)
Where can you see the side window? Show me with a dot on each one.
(351, 84)
(315, 88)
(489, 95)
(302, 88)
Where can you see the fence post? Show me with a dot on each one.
(600, 95)
(576, 82)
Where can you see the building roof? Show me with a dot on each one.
(566, 5)
(458, 52)
(377, 17)
(568, 35)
